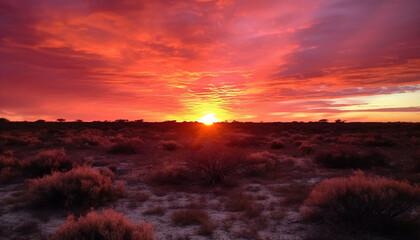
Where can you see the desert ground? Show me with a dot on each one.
(224, 181)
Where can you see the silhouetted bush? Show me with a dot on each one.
(108, 225)
(277, 144)
(169, 145)
(46, 162)
(345, 157)
(4, 120)
(81, 187)
(375, 203)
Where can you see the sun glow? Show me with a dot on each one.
(208, 119)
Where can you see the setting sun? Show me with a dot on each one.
(208, 119)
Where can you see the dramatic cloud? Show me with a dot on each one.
(245, 60)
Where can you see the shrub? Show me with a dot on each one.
(345, 157)
(108, 225)
(7, 160)
(81, 187)
(244, 140)
(374, 203)
(277, 144)
(48, 161)
(9, 167)
(214, 165)
(306, 148)
(85, 138)
(169, 145)
(126, 146)
(171, 173)
(260, 163)
(377, 141)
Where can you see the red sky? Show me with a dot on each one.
(262, 60)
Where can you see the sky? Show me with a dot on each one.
(245, 60)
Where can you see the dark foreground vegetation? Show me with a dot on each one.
(136, 180)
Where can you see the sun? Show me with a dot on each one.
(208, 119)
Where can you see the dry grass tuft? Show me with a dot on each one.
(194, 217)
(160, 211)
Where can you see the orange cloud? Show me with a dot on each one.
(245, 60)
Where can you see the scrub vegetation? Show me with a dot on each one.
(137, 180)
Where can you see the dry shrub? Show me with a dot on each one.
(169, 145)
(306, 147)
(214, 165)
(277, 144)
(377, 141)
(81, 187)
(47, 162)
(85, 138)
(169, 173)
(367, 203)
(126, 146)
(108, 225)
(8, 167)
(346, 157)
(260, 162)
(19, 139)
(244, 140)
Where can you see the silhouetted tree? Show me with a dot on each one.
(61, 120)
(138, 121)
(339, 121)
(3, 120)
(79, 120)
(323, 120)
(40, 121)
